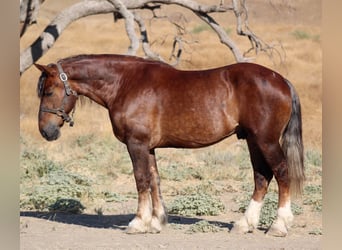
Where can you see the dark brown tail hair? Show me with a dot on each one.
(292, 145)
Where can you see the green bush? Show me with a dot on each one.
(67, 206)
(43, 182)
(203, 226)
(196, 204)
(207, 188)
(114, 197)
(313, 197)
(178, 172)
(35, 163)
(316, 231)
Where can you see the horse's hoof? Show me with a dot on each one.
(156, 226)
(277, 229)
(241, 227)
(136, 226)
(131, 230)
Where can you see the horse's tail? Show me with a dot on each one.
(292, 145)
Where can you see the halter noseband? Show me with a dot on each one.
(68, 91)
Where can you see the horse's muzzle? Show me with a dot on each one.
(50, 132)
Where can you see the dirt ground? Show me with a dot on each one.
(40, 230)
(65, 231)
(46, 230)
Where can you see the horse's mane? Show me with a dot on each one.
(83, 58)
(121, 58)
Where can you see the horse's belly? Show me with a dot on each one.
(198, 132)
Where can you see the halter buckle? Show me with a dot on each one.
(63, 77)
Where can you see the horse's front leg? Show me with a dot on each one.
(159, 215)
(139, 154)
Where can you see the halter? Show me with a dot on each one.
(68, 91)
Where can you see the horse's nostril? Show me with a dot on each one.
(43, 134)
(50, 133)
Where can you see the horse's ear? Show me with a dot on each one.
(42, 68)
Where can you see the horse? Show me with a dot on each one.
(154, 105)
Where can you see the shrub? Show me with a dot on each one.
(196, 204)
(207, 188)
(114, 197)
(44, 181)
(67, 206)
(313, 197)
(178, 172)
(203, 226)
(316, 231)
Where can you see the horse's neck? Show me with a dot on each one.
(96, 87)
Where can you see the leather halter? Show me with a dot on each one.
(68, 91)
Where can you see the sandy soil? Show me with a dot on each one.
(44, 230)
(84, 231)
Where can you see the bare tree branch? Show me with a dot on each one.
(129, 21)
(56, 27)
(178, 41)
(28, 13)
(125, 7)
(241, 13)
(225, 39)
(144, 39)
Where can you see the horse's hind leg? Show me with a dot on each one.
(275, 157)
(159, 216)
(262, 177)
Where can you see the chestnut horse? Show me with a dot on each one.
(153, 105)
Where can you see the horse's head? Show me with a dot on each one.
(57, 100)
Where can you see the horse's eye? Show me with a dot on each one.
(48, 93)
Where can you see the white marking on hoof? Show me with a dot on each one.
(241, 226)
(136, 226)
(156, 226)
(250, 220)
(283, 222)
(285, 214)
(277, 229)
(252, 213)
